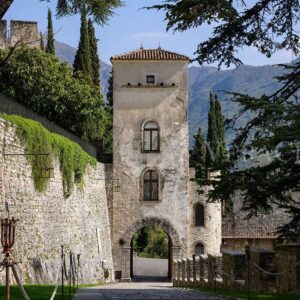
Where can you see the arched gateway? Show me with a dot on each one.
(151, 157)
(148, 222)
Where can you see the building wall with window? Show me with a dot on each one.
(151, 154)
(152, 183)
(205, 223)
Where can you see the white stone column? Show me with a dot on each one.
(126, 264)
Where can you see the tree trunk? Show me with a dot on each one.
(4, 6)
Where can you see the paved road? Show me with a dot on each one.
(150, 290)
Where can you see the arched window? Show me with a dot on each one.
(199, 249)
(199, 215)
(150, 137)
(150, 186)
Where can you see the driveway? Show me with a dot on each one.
(140, 290)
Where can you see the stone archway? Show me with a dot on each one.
(147, 222)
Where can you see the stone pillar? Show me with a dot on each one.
(175, 272)
(197, 271)
(179, 280)
(183, 268)
(126, 264)
(189, 271)
(194, 270)
(203, 269)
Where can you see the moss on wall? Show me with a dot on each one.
(42, 147)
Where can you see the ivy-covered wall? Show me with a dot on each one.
(48, 216)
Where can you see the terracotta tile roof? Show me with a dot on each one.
(150, 54)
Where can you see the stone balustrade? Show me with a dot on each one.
(230, 270)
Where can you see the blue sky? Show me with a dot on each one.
(128, 29)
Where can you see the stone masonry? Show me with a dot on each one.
(48, 220)
(20, 32)
(165, 102)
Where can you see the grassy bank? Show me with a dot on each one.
(35, 292)
(253, 295)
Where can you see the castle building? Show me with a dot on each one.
(151, 159)
(19, 33)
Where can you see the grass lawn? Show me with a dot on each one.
(253, 295)
(35, 292)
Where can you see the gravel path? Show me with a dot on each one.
(140, 290)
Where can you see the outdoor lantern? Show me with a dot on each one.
(8, 232)
(117, 188)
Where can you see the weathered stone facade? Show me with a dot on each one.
(20, 32)
(164, 102)
(47, 220)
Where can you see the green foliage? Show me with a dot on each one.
(273, 131)
(40, 81)
(100, 11)
(151, 242)
(95, 62)
(110, 102)
(216, 149)
(50, 35)
(198, 155)
(38, 140)
(42, 45)
(82, 61)
(268, 26)
(110, 92)
(36, 292)
(244, 294)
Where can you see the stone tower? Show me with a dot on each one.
(151, 152)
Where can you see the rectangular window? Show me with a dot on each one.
(150, 79)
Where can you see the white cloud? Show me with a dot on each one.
(150, 35)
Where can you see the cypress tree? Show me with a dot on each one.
(220, 120)
(82, 60)
(42, 45)
(50, 35)
(95, 62)
(212, 136)
(110, 95)
(198, 155)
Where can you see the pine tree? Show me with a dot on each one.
(198, 155)
(95, 62)
(82, 60)
(50, 36)
(42, 45)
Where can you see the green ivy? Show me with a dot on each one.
(38, 140)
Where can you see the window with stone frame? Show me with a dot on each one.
(150, 185)
(199, 249)
(199, 215)
(151, 139)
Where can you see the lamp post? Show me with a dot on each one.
(8, 233)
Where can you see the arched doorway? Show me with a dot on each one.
(174, 244)
(151, 254)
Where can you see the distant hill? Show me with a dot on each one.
(251, 80)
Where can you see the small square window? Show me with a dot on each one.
(151, 79)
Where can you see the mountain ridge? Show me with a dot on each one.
(247, 79)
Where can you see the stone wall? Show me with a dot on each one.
(47, 220)
(20, 32)
(133, 106)
(209, 234)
